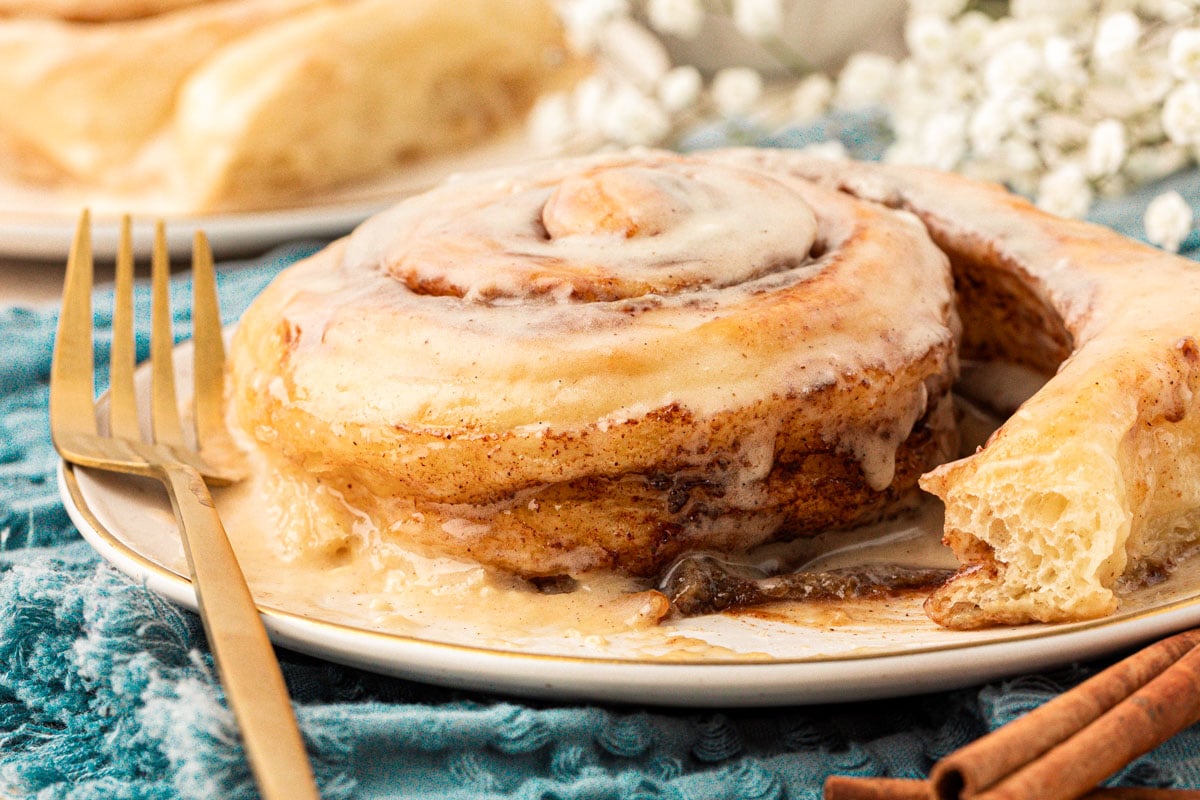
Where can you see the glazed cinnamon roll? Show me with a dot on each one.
(602, 363)
(1094, 483)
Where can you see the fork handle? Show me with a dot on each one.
(246, 663)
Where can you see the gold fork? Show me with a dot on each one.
(246, 663)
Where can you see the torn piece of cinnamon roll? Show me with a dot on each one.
(602, 363)
(1095, 480)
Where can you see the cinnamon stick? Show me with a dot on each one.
(1151, 715)
(844, 787)
(983, 763)
(1138, 793)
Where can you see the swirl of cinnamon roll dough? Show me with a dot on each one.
(601, 363)
(1094, 483)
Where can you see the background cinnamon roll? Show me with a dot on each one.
(602, 363)
(92, 11)
(202, 105)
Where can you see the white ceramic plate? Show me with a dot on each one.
(131, 526)
(797, 653)
(39, 223)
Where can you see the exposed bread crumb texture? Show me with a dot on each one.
(1095, 480)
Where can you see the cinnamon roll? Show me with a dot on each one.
(202, 105)
(601, 363)
(91, 11)
(1094, 483)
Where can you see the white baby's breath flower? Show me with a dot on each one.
(1106, 149)
(1060, 10)
(1145, 130)
(634, 52)
(939, 8)
(996, 121)
(988, 170)
(831, 150)
(679, 88)
(1065, 191)
(929, 38)
(631, 118)
(1031, 32)
(1148, 80)
(1065, 92)
(1061, 57)
(1060, 136)
(1116, 38)
(909, 109)
(1037, 29)
(758, 19)
(1025, 8)
(1168, 221)
(911, 78)
(1181, 114)
(1184, 54)
(590, 101)
(811, 97)
(1170, 10)
(1056, 98)
(1021, 158)
(903, 151)
(584, 19)
(1012, 69)
(1106, 99)
(864, 80)
(735, 90)
(942, 141)
(1001, 33)
(551, 123)
(988, 127)
(970, 32)
(682, 18)
(1147, 164)
(954, 87)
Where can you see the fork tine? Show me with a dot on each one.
(254, 684)
(164, 411)
(122, 402)
(72, 386)
(209, 347)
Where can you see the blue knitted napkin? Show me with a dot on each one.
(107, 691)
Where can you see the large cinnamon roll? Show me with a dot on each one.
(1095, 481)
(602, 363)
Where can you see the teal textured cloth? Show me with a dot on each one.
(107, 691)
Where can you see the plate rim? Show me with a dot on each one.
(784, 680)
(38, 235)
(37, 222)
